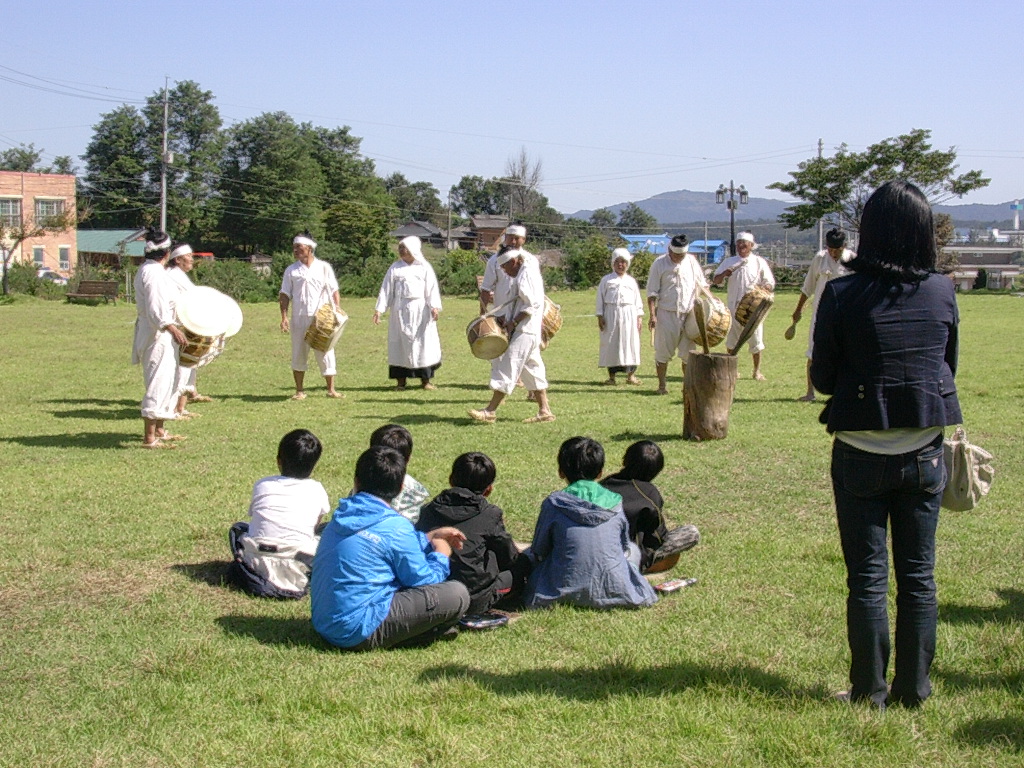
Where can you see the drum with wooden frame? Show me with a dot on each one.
(206, 317)
(757, 301)
(487, 339)
(551, 322)
(325, 328)
(717, 320)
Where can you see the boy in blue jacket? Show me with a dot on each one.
(377, 582)
(580, 542)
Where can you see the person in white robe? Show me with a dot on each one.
(522, 322)
(157, 341)
(744, 271)
(495, 285)
(179, 264)
(827, 264)
(672, 285)
(619, 310)
(308, 283)
(411, 294)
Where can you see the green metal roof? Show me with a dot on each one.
(109, 241)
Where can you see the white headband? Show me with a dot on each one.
(517, 230)
(507, 256)
(162, 245)
(181, 250)
(746, 236)
(303, 240)
(677, 249)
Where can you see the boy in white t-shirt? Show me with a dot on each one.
(274, 550)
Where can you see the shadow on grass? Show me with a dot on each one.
(648, 436)
(406, 419)
(95, 401)
(215, 573)
(1004, 732)
(101, 440)
(91, 413)
(259, 398)
(1011, 611)
(791, 400)
(273, 631)
(622, 679)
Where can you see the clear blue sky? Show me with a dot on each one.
(620, 101)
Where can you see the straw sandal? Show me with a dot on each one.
(489, 417)
(540, 418)
(158, 445)
(335, 395)
(299, 396)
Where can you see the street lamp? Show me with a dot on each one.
(732, 204)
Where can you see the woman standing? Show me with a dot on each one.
(885, 349)
(619, 309)
(410, 291)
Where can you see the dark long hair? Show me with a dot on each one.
(897, 235)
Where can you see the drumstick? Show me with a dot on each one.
(791, 331)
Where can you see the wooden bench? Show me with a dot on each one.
(92, 290)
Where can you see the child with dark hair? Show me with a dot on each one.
(377, 582)
(581, 539)
(410, 499)
(655, 548)
(489, 563)
(274, 549)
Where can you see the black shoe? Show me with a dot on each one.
(678, 540)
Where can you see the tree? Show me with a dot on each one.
(634, 220)
(415, 200)
(944, 234)
(11, 237)
(114, 184)
(27, 159)
(475, 195)
(271, 186)
(840, 185)
(523, 180)
(603, 218)
(195, 139)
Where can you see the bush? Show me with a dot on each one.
(21, 278)
(586, 261)
(457, 272)
(235, 278)
(366, 281)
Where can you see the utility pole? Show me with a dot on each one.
(165, 159)
(732, 204)
(821, 223)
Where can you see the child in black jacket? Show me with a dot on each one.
(658, 546)
(489, 563)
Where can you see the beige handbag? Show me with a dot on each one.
(969, 472)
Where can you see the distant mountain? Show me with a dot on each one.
(684, 206)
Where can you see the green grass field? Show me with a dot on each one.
(121, 646)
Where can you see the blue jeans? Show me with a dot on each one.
(871, 491)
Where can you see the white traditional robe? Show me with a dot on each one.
(748, 272)
(620, 304)
(823, 268)
(410, 292)
(308, 289)
(153, 347)
(186, 377)
(522, 359)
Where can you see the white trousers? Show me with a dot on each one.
(300, 354)
(159, 374)
(521, 360)
(670, 337)
(756, 342)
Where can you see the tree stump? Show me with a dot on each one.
(707, 395)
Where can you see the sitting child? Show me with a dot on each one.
(413, 494)
(658, 548)
(273, 551)
(580, 542)
(377, 582)
(489, 563)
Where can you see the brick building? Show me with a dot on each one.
(27, 198)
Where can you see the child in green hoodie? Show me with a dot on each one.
(581, 539)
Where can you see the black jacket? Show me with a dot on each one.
(642, 503)
(488, 549)
(887, 354)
